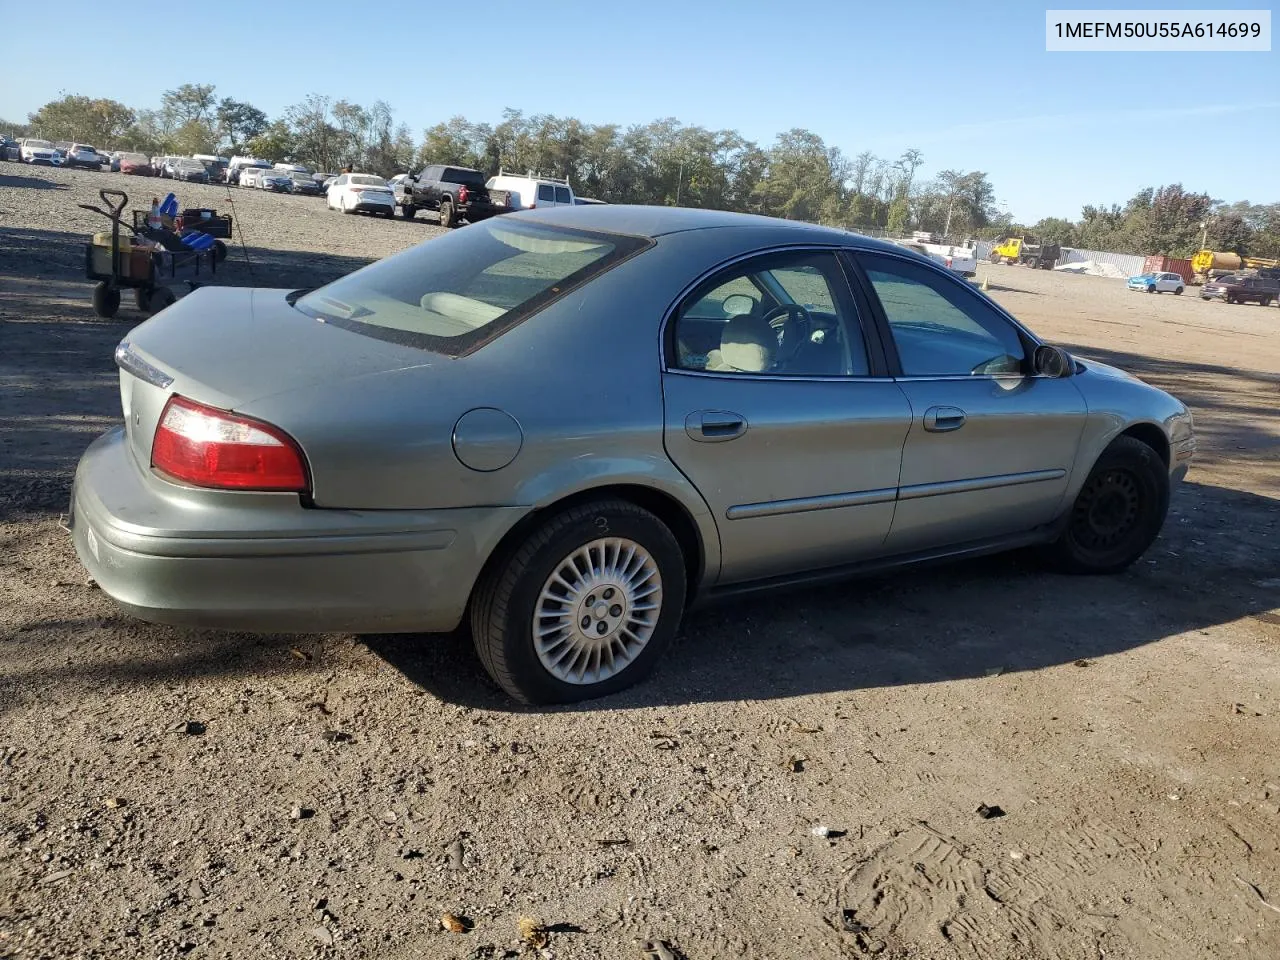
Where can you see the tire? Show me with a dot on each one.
(1033, 263)
(994, 257)
(447, 217)
(1265, 301)
(408, 211)
(390, 214)
(161, 297)
(342, 205)
(142, 299)
(106, 300)
(1177, 292)
(510, 596)
(1151, 289)
(1118, 513)
(219, 251)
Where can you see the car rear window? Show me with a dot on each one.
(368, 181)
(454, 294)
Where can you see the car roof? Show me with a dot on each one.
(654, 221)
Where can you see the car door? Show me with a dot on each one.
(546, 195)
(780, 413)
(1167, 283)
(991, 446)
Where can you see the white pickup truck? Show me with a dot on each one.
(957, 259)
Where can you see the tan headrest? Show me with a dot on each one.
(749, 344)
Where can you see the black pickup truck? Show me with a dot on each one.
(458, 193)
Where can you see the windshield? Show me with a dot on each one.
(455, 294)
(368, 181)
(40, 144)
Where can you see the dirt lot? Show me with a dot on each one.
(167, 793)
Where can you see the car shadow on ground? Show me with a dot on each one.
(1001, 614)
(22, 181)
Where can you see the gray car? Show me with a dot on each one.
(565, 426)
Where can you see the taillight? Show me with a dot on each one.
(208, 447)
(463, 193)
(948, 261)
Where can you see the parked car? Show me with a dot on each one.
(322, 180)
(430, 452)
(1239, 288)
(249, 175)
(277, 181)
(305, 183)
(189, 170)
(214, 164)
(8, 148)
(83, 156)
(361, 193)
(136, 164)
(239, 164)
(458, 193)
(40, 152)
(1158, 283)
(530, 192)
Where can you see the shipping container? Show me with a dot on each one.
(1160, 264)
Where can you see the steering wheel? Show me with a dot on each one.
(792, 323)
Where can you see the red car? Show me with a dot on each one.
(136, 164)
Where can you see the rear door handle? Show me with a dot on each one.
(943, 419)
(714, 426)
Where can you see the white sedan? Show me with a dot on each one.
(361, 193)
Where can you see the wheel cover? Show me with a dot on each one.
(1107, 510)
(597, 611)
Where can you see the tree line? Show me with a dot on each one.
(798, 176)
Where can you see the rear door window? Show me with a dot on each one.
(546, 193)
(563, 195)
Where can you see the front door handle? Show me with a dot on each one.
(943, 419)
(714, 426)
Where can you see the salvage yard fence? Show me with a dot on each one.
(1130, 263)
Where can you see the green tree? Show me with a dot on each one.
(238, 123)
(191, 101)
(1055, 230)
(899, 216)
(99, 122)
(275, 144)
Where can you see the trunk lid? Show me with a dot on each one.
(231, 346)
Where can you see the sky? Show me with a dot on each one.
(969, 84)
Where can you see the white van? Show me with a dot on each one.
(532, 191)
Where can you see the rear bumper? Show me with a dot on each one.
(376, 206)
(264, 563)
(475, 213)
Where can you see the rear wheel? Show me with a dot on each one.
(994, 257)
(1118, 512)
(447, 218)
(219, 251)
(1178, 292)
(408, 211)
(583, 607)
(1033, 263)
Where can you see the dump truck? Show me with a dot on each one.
(1025, 250)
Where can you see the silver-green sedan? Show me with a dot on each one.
(566, 426)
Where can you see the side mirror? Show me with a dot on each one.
(1054, 362)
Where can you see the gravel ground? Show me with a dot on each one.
(171, 793)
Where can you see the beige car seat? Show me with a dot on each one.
(747, 345)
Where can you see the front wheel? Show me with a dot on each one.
(583, 607)
(1151, 289)
(1177, 292)
(1118, 512)
(447, 217)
